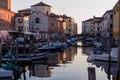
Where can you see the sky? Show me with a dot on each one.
(80, 10)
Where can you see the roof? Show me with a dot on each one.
(21, 14)
(7, 10)
(95, 19)
(25, 10)
(41, 4)
(91, 19)
(53, 15)
(65, 17)
(109, 11)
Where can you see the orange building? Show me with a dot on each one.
(6, 20)
(56, 25)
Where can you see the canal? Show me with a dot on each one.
(69, 65)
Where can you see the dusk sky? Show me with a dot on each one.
(78, 9)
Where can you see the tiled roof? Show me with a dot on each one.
(41, 4)
(53, 15)
(21, 14)
(95, 19)
(25, 10)
(65, 17)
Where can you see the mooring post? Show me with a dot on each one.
(91, 73)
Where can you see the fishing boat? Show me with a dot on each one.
(52, 47)
(6, 74)
(104, 56)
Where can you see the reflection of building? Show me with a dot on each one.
(70, 54)
(54, 59)
(5, 4)
(41, 71)
(63, 57)
(86, 50)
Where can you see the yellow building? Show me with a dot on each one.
(116, 22)
(69, 25)
(5, 4)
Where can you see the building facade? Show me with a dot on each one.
(5, 4)
(88, 27)
(107, 24)
(22, 23)
(116, 22)
(92, 26)
(69, 25)
(42, 7)
(6, 20)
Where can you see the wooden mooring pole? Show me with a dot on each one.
(91, 73)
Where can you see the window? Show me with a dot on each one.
(37, 20)
(37, 28)
(0, 24)
(111, 16)
(20, 20)
(0, 15)
(117, 9)
(46, 12)
(52, 24)
(20, 28)
(69, 30)
(69, 20)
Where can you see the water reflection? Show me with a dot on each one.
(41, 70)
(53, 60)
(110, 69)
(68, 65)
(87, 50)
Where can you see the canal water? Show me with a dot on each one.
(69, 65)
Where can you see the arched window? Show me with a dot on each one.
(37, 20)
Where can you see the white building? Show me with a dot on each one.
(22, 22)
(42, 7)
(107, 24)
(92, 26)
(88, 27)
(39, 19)
(98, 25)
